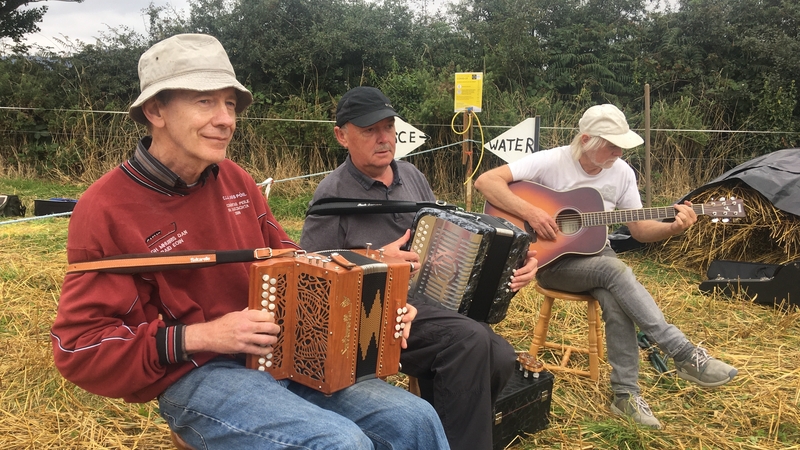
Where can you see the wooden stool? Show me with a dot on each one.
(595, 349)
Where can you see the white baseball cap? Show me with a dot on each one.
(608, 122)
(194, 62)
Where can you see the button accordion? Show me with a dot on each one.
(467, 261)
(340, 315)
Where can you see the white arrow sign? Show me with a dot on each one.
(408, 138)
(517, 142)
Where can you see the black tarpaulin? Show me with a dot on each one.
(775, 175)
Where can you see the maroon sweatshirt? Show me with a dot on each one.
(107, 336)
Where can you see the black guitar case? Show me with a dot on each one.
(766, 284)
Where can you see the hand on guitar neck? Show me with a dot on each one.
(581, 224)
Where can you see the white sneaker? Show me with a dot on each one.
(704, 370)
(635, 408)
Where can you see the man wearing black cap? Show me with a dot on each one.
(461, 364)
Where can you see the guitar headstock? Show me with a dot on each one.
(724, 209)
(528, 364)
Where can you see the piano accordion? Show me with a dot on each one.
(467, 261)
(339, 312)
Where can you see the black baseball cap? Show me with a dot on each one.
(363, 106)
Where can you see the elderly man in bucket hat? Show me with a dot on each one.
(180, 335)
(593, 160)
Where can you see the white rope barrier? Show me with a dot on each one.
(28, 219)
(276, 119)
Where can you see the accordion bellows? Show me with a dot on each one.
(339, 314)
(467, 261)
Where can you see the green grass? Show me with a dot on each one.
(285, 206)
(32, 189)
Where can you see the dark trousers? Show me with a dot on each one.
(462, 366)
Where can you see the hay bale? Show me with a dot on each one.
(767, 235)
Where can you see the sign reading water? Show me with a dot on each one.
(517, 142)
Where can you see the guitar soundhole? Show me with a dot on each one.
(569, 221)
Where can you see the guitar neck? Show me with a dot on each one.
(591, 219)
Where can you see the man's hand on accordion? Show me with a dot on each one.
(407, 318)
(394, 250)
(526, 273)
(247, 331)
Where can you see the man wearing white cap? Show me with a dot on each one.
(181, 335)
(593, 160)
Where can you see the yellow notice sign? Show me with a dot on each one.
(469, 91)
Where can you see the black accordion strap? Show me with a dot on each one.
(336, 206)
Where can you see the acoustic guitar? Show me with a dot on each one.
(582, 222)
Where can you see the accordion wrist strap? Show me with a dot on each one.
(147, 262)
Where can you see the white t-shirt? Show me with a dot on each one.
(558, 170)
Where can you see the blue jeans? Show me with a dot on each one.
(625, 304)
(225, 405)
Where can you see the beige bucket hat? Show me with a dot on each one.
(194, 62)
(608, 122)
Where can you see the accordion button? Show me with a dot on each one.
(399, 310)
(398, 327)
(269, 355)
(397, 335)
(272, 306)
(261, 368)
(264, 303)
(261, 361)
(273, 280)
(399, 319)
(272, 298)
(264, 295)
(272, 290)
(265, 277)
(268, 364)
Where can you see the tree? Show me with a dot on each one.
(297, 47)
(507, 40)
(737, 58)
(14, 24)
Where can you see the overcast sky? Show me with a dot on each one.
(85, 21)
